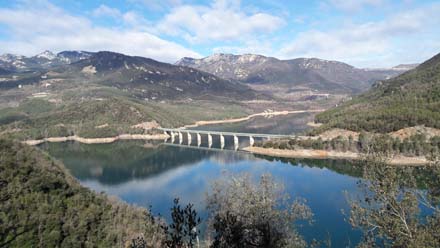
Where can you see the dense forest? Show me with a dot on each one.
(367, 143)
(410, 99)
(43, 206)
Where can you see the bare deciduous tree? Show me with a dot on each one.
(249, 214)
(389, 209)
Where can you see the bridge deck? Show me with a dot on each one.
(260, 135)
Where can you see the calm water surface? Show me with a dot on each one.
(154, 174)
(281, 124)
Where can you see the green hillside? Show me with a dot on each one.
(410, 99)
(41, 204)
(39, 118)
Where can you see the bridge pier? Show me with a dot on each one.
(166, 134)
(189, 139)
(180, 138)
(222, 141)
(235, 142)
(172, 137)
(251, 141)
(199, 139)
(209, 140)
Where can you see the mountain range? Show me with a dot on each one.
(50, 88)
(222, 75)
(141, 77)
(153, 79)
(308, 73)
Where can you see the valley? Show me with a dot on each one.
(219, 124)
(104, 94)
(100, 114)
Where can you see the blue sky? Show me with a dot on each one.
(364, 33)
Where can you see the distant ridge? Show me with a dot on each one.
(44, 60)
(314, 73)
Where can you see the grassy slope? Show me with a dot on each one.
(407, 100)
(41, 204)
(38, 118)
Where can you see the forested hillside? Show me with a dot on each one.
(43, 206)
(410, 99)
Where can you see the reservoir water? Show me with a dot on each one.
(148, 174)
(281, 124)
(152, 174)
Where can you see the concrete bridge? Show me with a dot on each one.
(178, 133)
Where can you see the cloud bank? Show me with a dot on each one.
(41, 26)
(365, 33)
(402, 37)
(221, 21)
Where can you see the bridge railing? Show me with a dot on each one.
(259, 135)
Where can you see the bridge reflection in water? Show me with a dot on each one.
(179, 133)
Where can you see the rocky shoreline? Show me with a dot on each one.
(98, 140)
(323, 154)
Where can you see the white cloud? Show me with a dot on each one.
(222, 21)
(136, 21)
(129, 18)
(366, 44)
(37, 27)
(104, 10)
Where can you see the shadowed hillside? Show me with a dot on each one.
(42, 205)
(143, 77)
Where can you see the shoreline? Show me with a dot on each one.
(301, 153)
(323, 154)
(98, 140)
(105, 140)
(234, 120)
(313, 124)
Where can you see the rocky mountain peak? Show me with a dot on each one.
(231, 58)
(8, 57)
(251, 58)
(44, 60)
(73, 56)
(185, 60)
(46, 55)
(216, 57)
